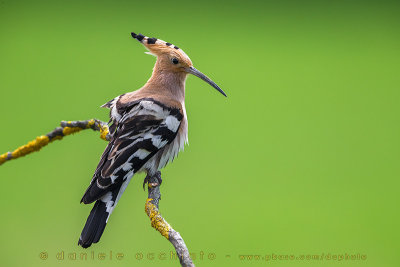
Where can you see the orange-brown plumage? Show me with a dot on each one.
(148, 131)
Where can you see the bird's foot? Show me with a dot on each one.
(152, 180)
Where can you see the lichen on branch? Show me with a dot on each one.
(160, 224)
(67, 128)
(153, 182)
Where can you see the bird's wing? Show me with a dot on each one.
(145, 127)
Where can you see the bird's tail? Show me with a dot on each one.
(94, 226)
(98, 217)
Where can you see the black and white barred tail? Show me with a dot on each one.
(98, 217)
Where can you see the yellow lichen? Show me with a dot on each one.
(71, 130)
(157, 221)
(3, 158)
(90, 123)
(104, 132)
(43, 140)
(32, 146)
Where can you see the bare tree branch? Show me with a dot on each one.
(67, 128)
(160, 224)
(153, 182)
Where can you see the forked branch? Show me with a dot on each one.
(153, 182)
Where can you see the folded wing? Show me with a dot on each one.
(145, 127)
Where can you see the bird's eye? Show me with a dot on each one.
(175, 60)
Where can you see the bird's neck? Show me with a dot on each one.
(168, 82)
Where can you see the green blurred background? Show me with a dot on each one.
(302, 158)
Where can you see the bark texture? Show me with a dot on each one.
(160, 224)
(67, 128)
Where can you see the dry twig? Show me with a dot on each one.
(153, 182)
(67, 128)
(160, 224)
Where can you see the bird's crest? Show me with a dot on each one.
(153, 43)
(158, 47)
(171, 58)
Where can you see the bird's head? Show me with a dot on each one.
(172, 58)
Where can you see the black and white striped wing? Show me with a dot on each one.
(145, 127)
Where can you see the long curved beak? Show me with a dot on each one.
(196, 72)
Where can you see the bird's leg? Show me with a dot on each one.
(152, 179)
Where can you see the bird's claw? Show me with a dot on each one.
(153, 180)
(145, 181)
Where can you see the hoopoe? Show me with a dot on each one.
(149, 127)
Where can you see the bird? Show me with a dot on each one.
(148, 128)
